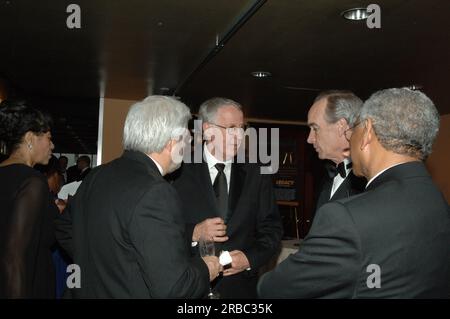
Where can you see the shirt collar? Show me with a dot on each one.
(211, 160)
(381, 172)
(347, 167)
(157, 165)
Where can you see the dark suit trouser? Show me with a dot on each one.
(239, 286)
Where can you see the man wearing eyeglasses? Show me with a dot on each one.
(230, 202)
(392, 241)
(330, 117)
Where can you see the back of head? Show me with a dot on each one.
(16, 119)
(208, 109)
(151, 123)
(405, 121)
(341, 104)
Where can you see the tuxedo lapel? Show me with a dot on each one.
(343, 190)
(204, 179)
(324, 195)
(237, 180)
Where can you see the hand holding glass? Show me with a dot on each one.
(207, 248)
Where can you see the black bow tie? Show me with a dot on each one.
(333, 170)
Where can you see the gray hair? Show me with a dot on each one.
(341, 104)
(151, 123)
(405, 121)
(208, 109)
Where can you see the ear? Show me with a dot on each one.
(342, 126)
(169, 146)
(29, 137)
(368, 134)
(206, 131)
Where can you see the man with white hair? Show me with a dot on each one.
(128, 231)
(392, 241)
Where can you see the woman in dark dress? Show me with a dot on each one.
(26, 207)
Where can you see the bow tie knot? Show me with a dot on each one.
(333, 170)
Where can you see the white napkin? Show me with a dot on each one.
(68, 189)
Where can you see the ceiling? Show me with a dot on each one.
(197, 49)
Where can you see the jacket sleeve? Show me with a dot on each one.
(326, 265)
(24, 233)
(157, 231)
(63, 228)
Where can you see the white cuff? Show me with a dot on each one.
(225, 258)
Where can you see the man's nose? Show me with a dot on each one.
(311, 137)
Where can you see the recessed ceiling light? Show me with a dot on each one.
(355, 14)
(415, 87)
(261, 74)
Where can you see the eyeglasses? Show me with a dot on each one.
(348, 132)
(233, 129)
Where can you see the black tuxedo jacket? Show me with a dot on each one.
(253, 222)
(400, 224)
(125, 230)
(351, 185)
(84, 174)
(73, 174)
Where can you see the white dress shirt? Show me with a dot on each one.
(157, 165)
(211, 161)
(338, 179)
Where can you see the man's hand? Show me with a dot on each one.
(61, 204)
(239, 263)
(214, 266)
(214, 228)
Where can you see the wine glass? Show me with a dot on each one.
(207, 248)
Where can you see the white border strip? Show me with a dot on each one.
(100, 131)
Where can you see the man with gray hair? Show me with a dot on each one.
(331, 114)
(392, 241)
(128, 230)
(229, 202)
